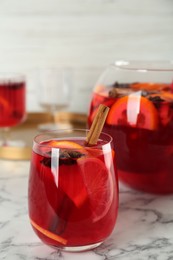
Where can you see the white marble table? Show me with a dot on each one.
(144, 227)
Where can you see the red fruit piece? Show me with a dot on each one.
(71, 182)
(165, 113)
(68, 177)
(97, 100)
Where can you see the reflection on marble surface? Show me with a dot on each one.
(144, 228)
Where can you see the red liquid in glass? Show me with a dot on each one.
(12, 103)
(61, 204)
(144, 152)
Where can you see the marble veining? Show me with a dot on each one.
(144, 229)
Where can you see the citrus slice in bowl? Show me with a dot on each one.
(135, 112)
(99, 185)
(148, 86)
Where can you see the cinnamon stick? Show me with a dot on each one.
(97, 125)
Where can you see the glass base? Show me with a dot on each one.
(79, 248)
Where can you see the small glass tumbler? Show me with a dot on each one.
(12, 104)
(73, 190)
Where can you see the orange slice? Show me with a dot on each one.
(65, 144)
(99, 185)
(96, 153)
(148, 86)
(71, 146)
(140, 107)
(48, 233)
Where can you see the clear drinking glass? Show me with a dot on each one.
(12, 104)
(140, 120)
(73, 190)
(55, 88)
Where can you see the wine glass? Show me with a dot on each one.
(12, 105)
(55, 89)
(140, 120)
(73, 189)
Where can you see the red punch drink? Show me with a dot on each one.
(141, 124)
(73, 192)
(12, 102)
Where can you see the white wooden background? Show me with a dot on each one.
(84, 34)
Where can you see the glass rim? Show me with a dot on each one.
(64, 131)
(17, 77)
(144, 65)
